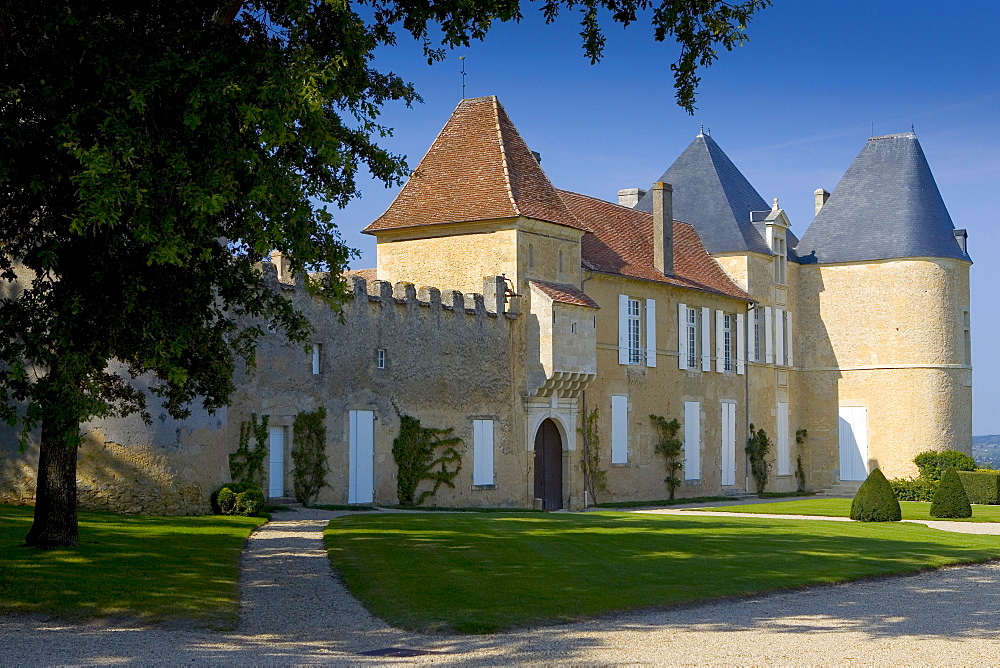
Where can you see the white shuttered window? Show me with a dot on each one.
(692, 440)
(720, 342)
(706, 339)
(630, 331)
(650, 332)
(740, 343)
(779, 336)
(768, 337)
(784, 447)
(482, 452)
(619, 429)
(682, 328)
(788, 338)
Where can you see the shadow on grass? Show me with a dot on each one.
(151, 568)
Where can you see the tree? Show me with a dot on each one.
(154, 153)
(671, 448)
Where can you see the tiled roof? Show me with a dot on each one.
(478, 168)
(565, 293)
(711, 194)
(367, 274)
(886, 206)
(622, 243)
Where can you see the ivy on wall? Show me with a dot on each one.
(416, 453)
(670, 447)
(246, 465)
(309, 455)
(758, 447)
(595, 478)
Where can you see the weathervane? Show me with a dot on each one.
(462, 58)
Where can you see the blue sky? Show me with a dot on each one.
(792, 109)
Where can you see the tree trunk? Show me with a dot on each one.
(55, 522)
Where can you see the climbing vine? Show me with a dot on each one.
(800, 473)
(309, 455)
(670, 447)
(246, 465)
(758, 447)
(595, 478)
(415, 453)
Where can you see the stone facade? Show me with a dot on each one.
(550, 305)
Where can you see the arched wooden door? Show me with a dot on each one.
(548, 466)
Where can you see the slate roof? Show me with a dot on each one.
(621, 242)
(887, 205)
(478, 168)
(564, 293)
(711, 194)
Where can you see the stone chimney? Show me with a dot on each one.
(630, 196)
(962, 237)
(821, 197)
(281, 265)
(663, 228)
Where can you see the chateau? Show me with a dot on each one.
(506, 310)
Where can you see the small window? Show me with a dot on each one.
(572, 328)
(380, 359)
(317, 357)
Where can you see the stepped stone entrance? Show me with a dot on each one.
(548, 466)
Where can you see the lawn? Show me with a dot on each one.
(152, 568)
(912, 510)
(480, 573)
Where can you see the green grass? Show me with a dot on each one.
(482, 573)
(662, 502)
(912, 510)
(151, 568)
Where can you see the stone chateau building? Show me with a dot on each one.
(506, 309)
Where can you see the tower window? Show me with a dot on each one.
(380, 359)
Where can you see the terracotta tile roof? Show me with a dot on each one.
(621, 242)
(478, 168)
(564, 293)
(367, 274)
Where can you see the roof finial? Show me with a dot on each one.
(774, 205)
(701, 131)
(911, 128)
(462, 58)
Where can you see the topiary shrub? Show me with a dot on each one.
(875, 501)
(932, 464)
(950, 499)
(981, 486)
(237, 498)
(913, 489)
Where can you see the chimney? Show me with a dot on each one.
(281, 264)
(821, 197)
(663, 228)
(962, 237)
(630, 196)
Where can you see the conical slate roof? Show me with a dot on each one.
(478, 168)
(711, 194)
(886, 206)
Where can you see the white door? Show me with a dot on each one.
(361, 467)
(728, 443)
(853, 433)
(276, 461)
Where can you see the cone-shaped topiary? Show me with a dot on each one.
(875, 501)
(950, 499)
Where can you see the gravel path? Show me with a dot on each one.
(296, 612)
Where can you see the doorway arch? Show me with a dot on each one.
(549, 465)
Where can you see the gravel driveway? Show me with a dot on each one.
(295, 612)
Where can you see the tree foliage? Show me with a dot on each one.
(246, 465)
(154, 153)
(758, 450)
(933, 463)
(309, 455)
(950, 499)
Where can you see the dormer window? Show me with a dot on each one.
(780, 258)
